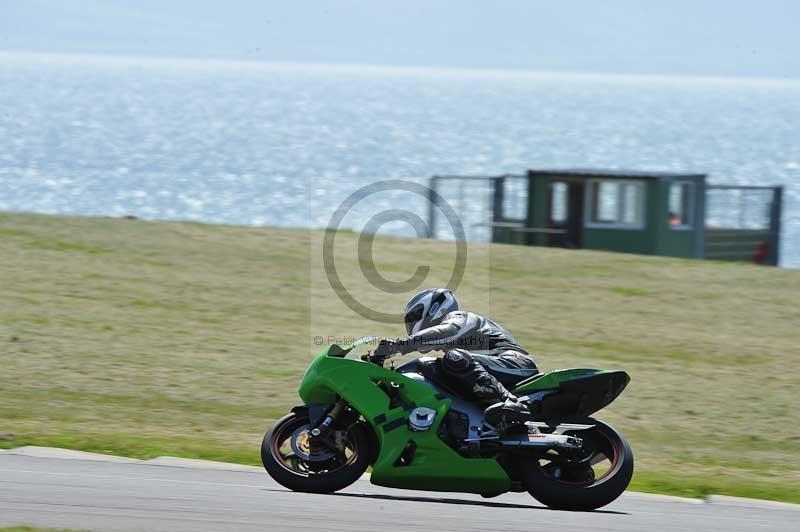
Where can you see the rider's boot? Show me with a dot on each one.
(507, 413)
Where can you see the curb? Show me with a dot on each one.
(657, 497)
(741, 502)
(34, 451)
(67, 454)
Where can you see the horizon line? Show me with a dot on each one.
(371, 68)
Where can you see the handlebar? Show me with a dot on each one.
(374, 359)
(379, 360)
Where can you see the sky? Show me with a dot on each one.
(732, 38)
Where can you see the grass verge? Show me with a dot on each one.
(161, 338)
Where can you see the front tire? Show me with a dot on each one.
(587, 481)
(295, 463)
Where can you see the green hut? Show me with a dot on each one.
(650, 213)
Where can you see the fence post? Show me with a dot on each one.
(775, 225)
(700, 219)
(497, 206)
(432, 206)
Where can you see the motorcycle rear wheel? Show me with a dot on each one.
(584, 482)
(294, 463)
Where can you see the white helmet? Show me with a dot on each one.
(427, 309)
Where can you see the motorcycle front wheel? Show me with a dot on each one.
(298, 462)
(585, 479)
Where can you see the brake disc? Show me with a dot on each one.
(305, 449)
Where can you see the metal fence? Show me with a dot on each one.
(471, 197)
(743, 223)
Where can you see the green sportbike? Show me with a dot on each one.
(417, 433)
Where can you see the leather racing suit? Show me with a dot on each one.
(482, 360)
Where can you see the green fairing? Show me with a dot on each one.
(552, 380)
(436, 466)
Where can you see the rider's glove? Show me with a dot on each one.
(386, 348)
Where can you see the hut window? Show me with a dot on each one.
(680, 205)
(515, 198)
(617, 204)
(558, 202)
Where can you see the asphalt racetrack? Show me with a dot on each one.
(177, 495)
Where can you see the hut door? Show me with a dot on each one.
(565, 214)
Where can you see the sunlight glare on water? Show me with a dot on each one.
(282, 145)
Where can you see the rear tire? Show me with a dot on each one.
(297, 474)
(578, 489)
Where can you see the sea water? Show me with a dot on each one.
(285, 144)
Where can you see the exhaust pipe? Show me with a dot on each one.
(555, 438)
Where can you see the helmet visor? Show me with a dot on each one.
(413, 316)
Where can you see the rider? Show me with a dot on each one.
(482, 360)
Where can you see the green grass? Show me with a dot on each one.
(684, 483)
(159, 338)
(628, 291)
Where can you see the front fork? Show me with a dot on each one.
(331, 421)
(326, 423)
(321, 433)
